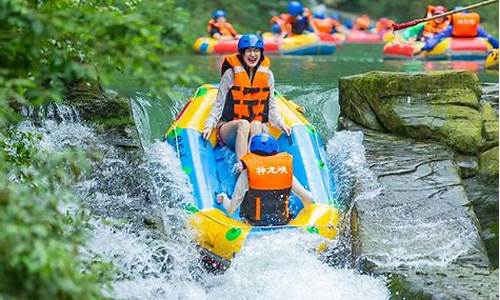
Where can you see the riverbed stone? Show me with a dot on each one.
(483, 194)
(488, 162)
(442, 106)
(489, 119)
(421, 225)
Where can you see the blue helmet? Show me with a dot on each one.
(295, 8)
(250, 41)
(319, 15)
(264, 144)
(219, 13)
(276, 28)
(335, 16)
(461, 7)
(348, 23)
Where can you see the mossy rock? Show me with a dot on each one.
(490, 126)
(443, 106)
(488, 162)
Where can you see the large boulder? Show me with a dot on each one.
(442, 106)
(420, 226)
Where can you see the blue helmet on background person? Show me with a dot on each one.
(348, 23)
(335, 16)
(264, 144)
(319, 15)
(295, 8)
(219, 13)
(250, 41)
(276, 28)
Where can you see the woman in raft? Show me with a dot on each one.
(245, 104)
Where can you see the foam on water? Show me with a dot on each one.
(284, 266)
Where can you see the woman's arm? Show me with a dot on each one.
(225, 84)
(299, 190)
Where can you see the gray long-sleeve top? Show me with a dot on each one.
(226, 82)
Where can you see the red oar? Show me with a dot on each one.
(415, 22)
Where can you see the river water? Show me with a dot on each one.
(135, 200)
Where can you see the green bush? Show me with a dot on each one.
(39, 256)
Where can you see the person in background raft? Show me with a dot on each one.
(218, 27)
(264, 187)
(433, 27)
(384, 25)
(464, 24)
(295, 22)
(327, 25)
(363, 23)
(245, 103)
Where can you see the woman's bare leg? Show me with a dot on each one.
(235, 134)
(256, 127)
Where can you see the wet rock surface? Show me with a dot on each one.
(421, 226)
(427, 225)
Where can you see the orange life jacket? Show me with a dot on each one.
(465, 25)
(362, 23)
(269, 185)
(224, 28)
(383, 25)
(432, 27)
(248, 98)
(324, 25)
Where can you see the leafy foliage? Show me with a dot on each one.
(48, 45)
(39, 253)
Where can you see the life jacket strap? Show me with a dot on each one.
(248, 90)
(249, 102)
(257, 209)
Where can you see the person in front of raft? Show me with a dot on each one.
(263, 187)
(464, 24)
(245, 103)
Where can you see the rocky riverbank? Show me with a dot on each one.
(423, 135)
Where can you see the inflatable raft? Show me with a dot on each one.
(304, 44)
(491, 61)
(447, 49)
(363, 37)
(221, 236)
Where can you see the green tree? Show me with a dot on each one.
(48, 50)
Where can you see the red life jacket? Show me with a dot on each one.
(465, 25)
(269, 185)
(247, 99)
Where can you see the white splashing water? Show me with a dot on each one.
(283, 266)
(163, 264)
(347, 156)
